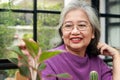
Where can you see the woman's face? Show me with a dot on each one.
(77, 31)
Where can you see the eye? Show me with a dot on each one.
(68, 25)
(82, 25)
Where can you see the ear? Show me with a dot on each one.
(93, 36)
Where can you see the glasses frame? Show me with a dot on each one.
(79, 27)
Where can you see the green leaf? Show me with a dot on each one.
(42, 66)
(46, 55)
(18, 51)
(24, 70)
(13, 60)
(64, 75)
(32, 47)
(23, 62)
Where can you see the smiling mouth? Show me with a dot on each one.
(76, 40)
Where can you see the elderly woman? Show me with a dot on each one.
(79, 29)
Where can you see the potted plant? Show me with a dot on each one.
(31, 66)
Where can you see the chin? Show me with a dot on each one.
(76, 46)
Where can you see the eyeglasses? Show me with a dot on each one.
(70, 27)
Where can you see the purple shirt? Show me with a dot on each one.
(78, 67)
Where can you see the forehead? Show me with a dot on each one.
(76, 14)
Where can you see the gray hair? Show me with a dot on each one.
(93, 18)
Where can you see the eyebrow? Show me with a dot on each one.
(78, 22)
(83, 21)
(67, 22)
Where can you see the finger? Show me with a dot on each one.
(22, 45)
(99, 45)
(102, 47)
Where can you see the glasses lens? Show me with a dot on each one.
(70, 27)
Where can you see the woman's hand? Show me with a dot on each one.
(107, 50)
(23, 48)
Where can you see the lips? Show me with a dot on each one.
(75, 39)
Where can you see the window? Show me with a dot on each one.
(110, 23)
(113, 23)
(28, 19)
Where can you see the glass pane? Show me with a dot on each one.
(13, 27)
(11, 19)
(50, 4)
(47, 30)
(102, 23)
(16, 4)
(114, 36)
(114, 24)
(114, 7)
(114, 20)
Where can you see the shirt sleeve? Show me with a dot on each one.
(106, 71)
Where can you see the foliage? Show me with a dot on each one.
(49, 19)
(32, 65)
(6, 33)
(10, 19)
(28, 36)
(6, 38)
(46, 27)
(45, 35)
(52, 19)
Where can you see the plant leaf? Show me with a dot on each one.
(18, 51)
(45, 55)
(13, 60)
(24, 70)
(42, 66)
(62, 75)
(32, 47)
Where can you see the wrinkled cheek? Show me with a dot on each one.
(66, 40)
(87, 41)
(65, 36)
(88, 36)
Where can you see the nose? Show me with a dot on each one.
(75, 31)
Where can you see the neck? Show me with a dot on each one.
(78, 52)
